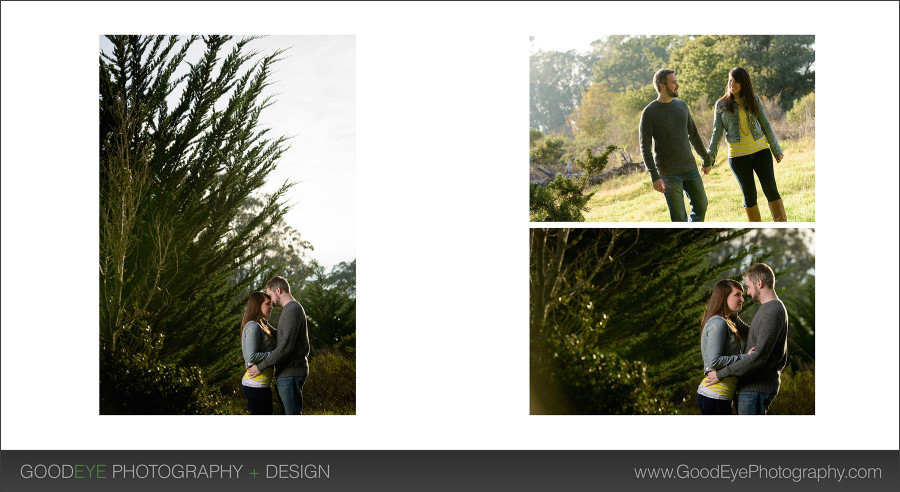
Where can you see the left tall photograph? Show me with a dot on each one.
(227, 249)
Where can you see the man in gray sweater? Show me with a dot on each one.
(667, 127)
(759, 374)
(291, 354)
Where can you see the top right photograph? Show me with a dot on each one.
(665, 128)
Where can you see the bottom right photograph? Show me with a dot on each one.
(651, 321)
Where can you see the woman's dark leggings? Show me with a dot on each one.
(743, 168)
(259, 400)
(712, 406)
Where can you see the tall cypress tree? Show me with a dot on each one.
(179, 155)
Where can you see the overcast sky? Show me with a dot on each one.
(315, 103)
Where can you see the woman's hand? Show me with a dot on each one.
(752, 349)
(779, 157)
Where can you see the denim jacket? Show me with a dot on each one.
(729, 123)
(255, 345)
(718, 345)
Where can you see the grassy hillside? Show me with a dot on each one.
(633, 199)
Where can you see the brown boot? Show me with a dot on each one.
(778, 213)
(753, 214)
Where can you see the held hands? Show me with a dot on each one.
(706, 170)
(779, 157)
(253, 371)
(659, 186)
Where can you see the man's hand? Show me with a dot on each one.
(711, 378)
(779, 157)
(752, 349)
(253, 371)
(706, 170)
(659, 186)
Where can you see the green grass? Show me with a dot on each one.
(633, 199)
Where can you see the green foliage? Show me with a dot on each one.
(179, 158)
(777, 65)
(331, 387)
(620, 78)
(547, 152)
(629, 62)
(803, 111)
(331, 305)
(564, 199)
(600, 383)
(802, 117)
(134, 381)
(702, 67)
(347, 345)
(787, 252)
(635, 293)
(797, 394)
(592, 164)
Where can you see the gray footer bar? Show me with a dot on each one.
(471, 471)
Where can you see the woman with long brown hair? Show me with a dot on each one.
(751, 144)
(257, 341)
(721, 342)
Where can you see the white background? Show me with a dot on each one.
(442, 95)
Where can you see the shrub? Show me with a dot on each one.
(802, 116)
(347, 345)
(564, 199)
(603, 383)
(331, 387)
(134, 381)
(797, 395)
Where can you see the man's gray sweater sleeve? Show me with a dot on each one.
(645, 136)
(697, 142)
(288, 332)
(765, 343)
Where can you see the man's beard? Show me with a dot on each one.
(671, 93)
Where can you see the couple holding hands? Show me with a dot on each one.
(667, 127)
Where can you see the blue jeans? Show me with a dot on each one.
(290, 390)
(753, 403)
(743, 168)
(677, 186)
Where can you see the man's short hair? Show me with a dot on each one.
(661, 77)
(760, 271)
(279, 283)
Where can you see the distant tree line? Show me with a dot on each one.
(617, 71)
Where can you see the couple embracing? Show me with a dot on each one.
(754, 374)
(279, 356)
(666, 123)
